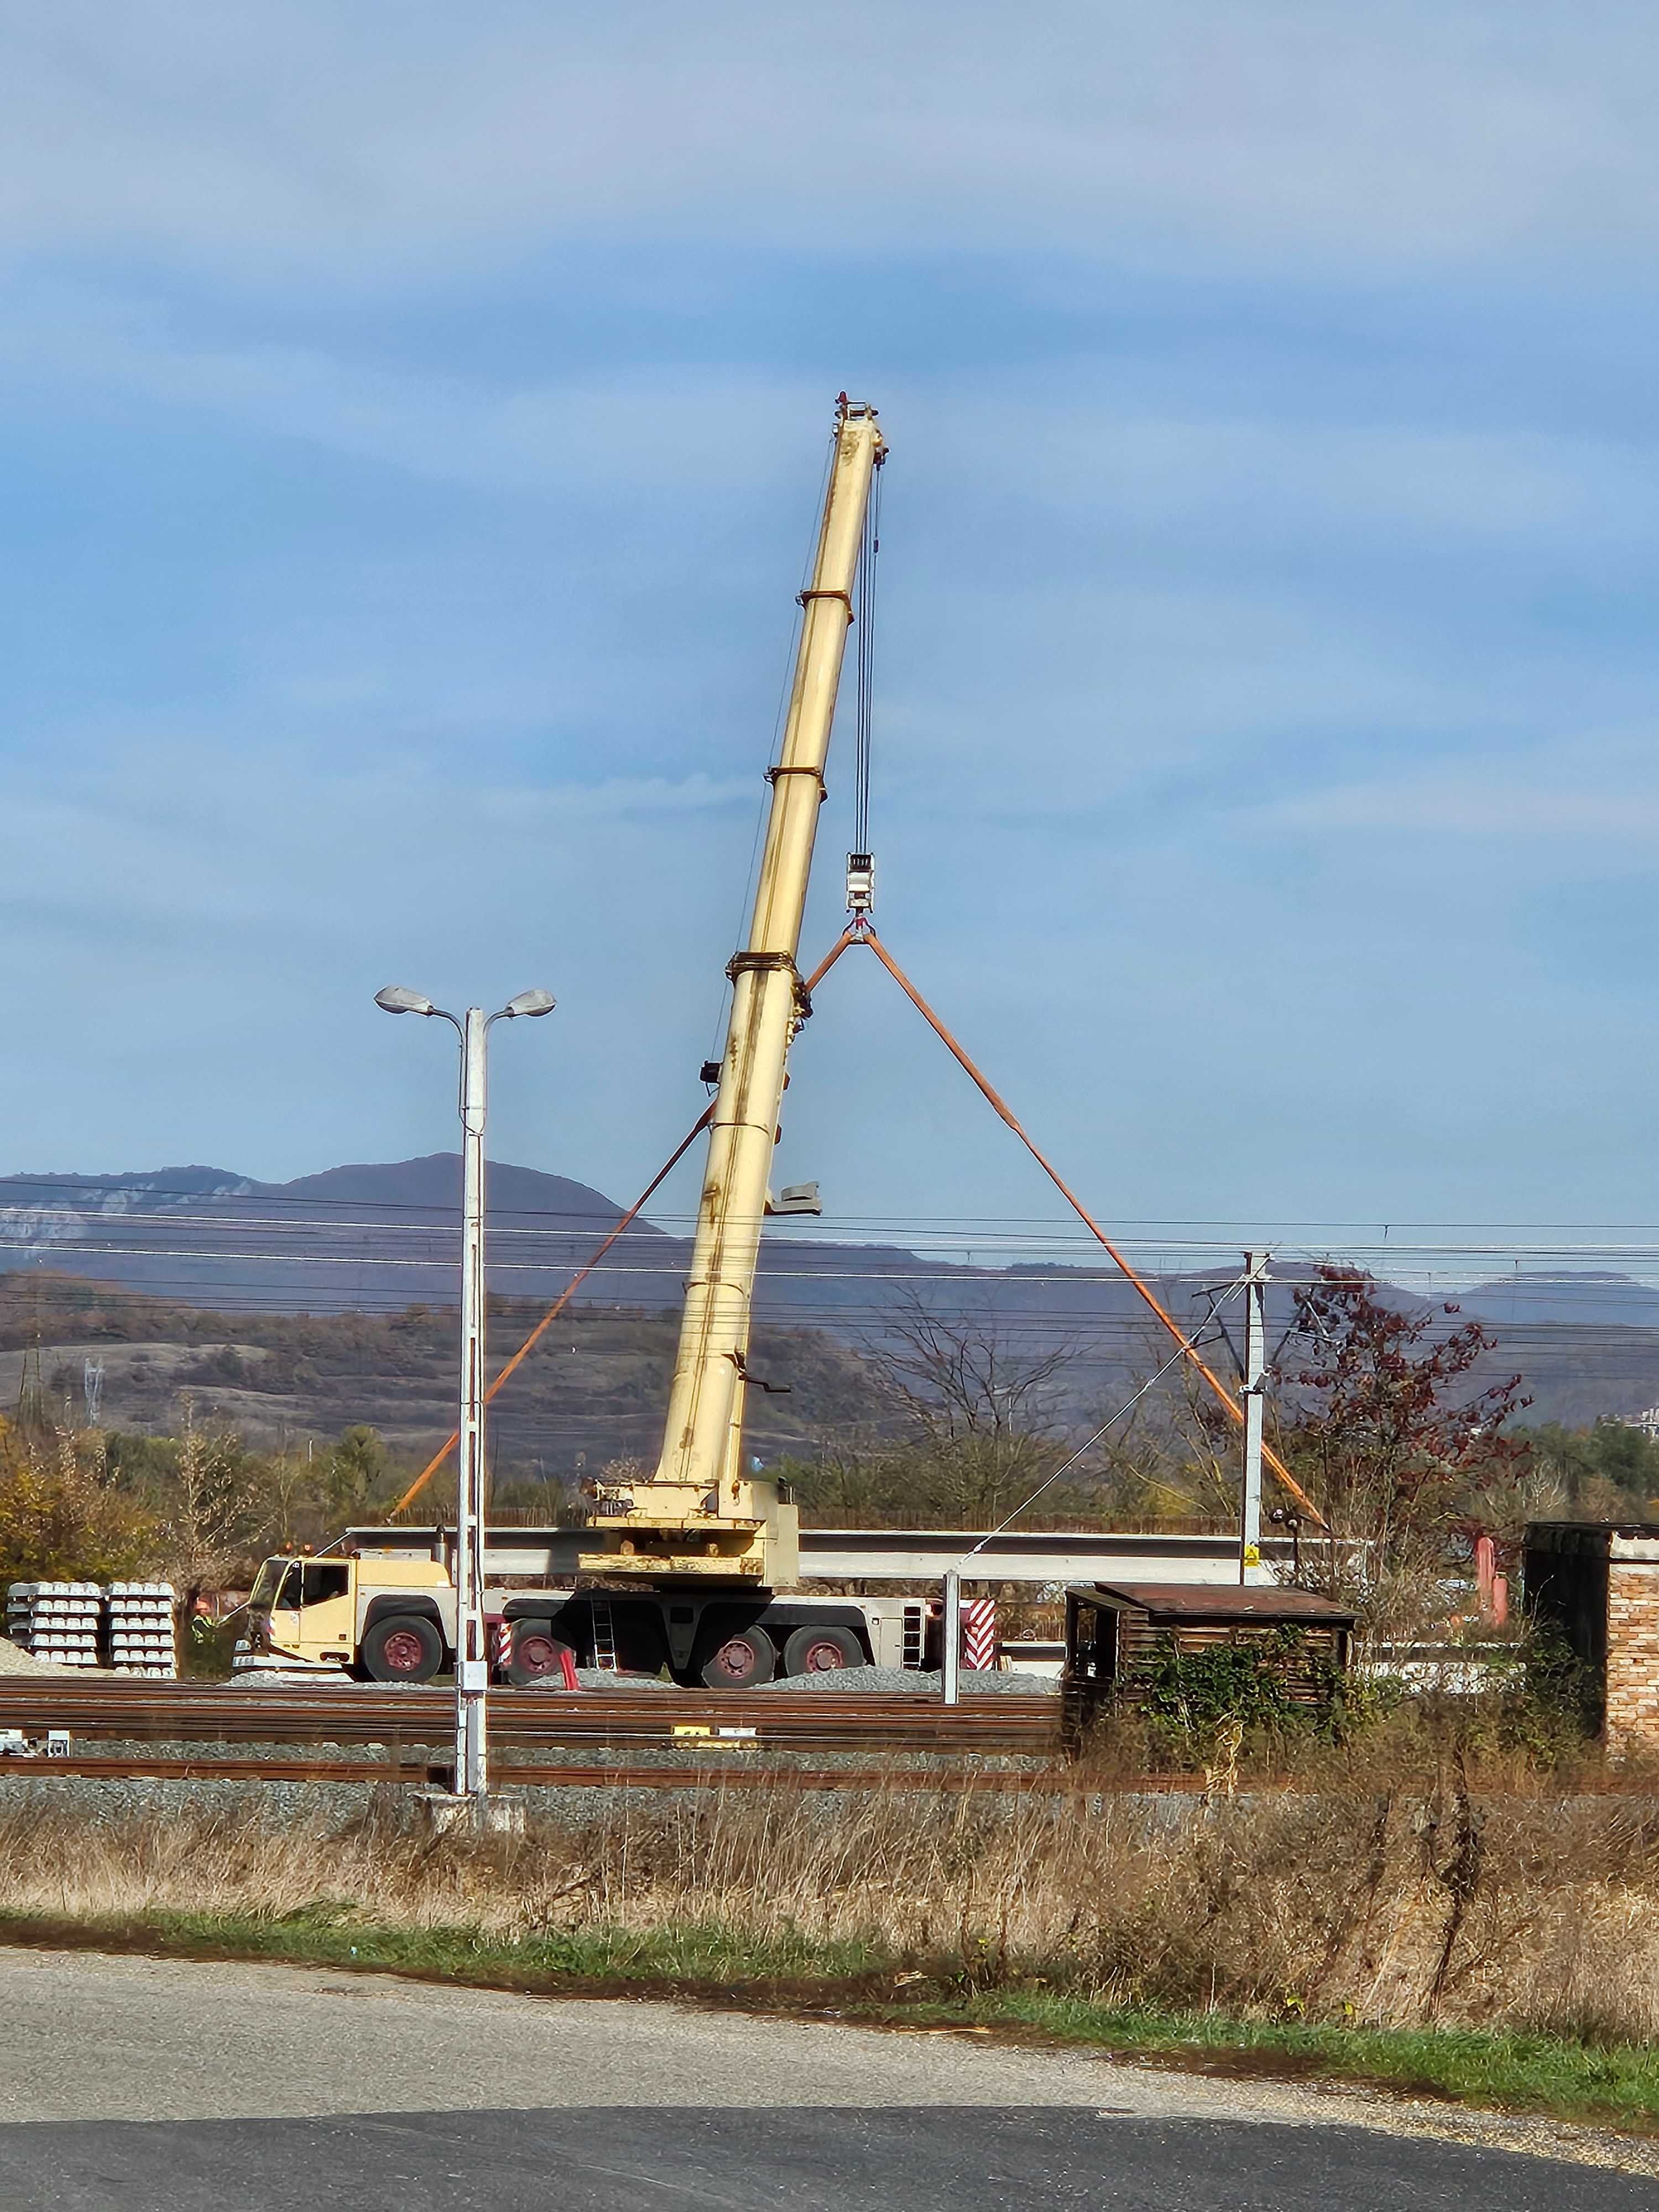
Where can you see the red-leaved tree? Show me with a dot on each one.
(1387, 1429)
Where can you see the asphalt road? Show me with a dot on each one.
(140, 2085)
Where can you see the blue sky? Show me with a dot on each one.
(411, 421)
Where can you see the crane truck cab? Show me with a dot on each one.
(381, 1619)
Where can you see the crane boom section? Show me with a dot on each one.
(705, 1403)
(700, 1513)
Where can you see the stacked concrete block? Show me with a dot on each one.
(56, 1621)
(139, 1630)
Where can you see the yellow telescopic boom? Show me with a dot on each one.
(700, 1513)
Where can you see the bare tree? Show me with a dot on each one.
(978, 1417)
(957, 1375)
(1171, 1453)
(212, 1518)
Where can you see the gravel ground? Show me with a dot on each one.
(15, 1660)
(901, 1681)
(834, 1680)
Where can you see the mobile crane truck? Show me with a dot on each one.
(682, 1568)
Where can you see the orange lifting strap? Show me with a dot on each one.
(559, 1305)
(867, 935)
(864, 934)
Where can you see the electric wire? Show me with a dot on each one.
(1181, 1352)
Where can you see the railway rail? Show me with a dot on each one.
(538, 1774)
(527, 1720)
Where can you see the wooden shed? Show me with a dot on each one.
(1114, 1629)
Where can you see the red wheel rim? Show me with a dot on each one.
(737, 1661)
(536, 1654)
(823, 1657)
(404, 1651)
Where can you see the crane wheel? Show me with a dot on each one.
(741, 1662)
(403, 1647)
(536, 1653)
(822, 1651)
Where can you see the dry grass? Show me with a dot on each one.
(1389, 1907)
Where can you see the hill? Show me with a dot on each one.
(376, 1241)
(594, 1389)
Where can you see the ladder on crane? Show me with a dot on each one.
(604, 1633)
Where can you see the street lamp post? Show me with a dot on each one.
(471, 1651)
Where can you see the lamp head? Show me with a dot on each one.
(529, 1002)
(394, 1000)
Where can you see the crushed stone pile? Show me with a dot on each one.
(278, 1678)
(14, 1660)
(599, 1678)
(902, 1681)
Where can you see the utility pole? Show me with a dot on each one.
(471, 1658)
(1253, 1393)
(950, 1654)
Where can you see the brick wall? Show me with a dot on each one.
(1633, 1647)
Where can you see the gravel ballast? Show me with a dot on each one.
(15, 1660)
(887, 1681)
(900, 1681)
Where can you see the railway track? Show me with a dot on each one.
(535, 1773)
(525, 1720)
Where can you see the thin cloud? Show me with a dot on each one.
(1468, 808)
(630, 427)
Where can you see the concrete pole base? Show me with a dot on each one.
(440, 1812)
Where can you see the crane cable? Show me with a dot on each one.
(864, 639)
(862, 932)
(1088, 1442)
(560, 1303)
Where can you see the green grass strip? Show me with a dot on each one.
(1615, 2083)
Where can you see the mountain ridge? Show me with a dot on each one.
(379, 1236)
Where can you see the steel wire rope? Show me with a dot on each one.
(1048, 1231)
(865, 668)
(558, 1306)
(860, 931)
(1183, 1351)
(83, 1282)
(109, 1187)
(1011, 1249)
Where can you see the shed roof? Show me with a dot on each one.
(1543, 1533)
(1218, 1601)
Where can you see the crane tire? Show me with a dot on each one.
(536, 1653)
(740, 1661)
(822, 1651)
(403, 1647)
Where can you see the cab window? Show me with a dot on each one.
(266, 1586)
(284, 1585)
(323, 1579)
